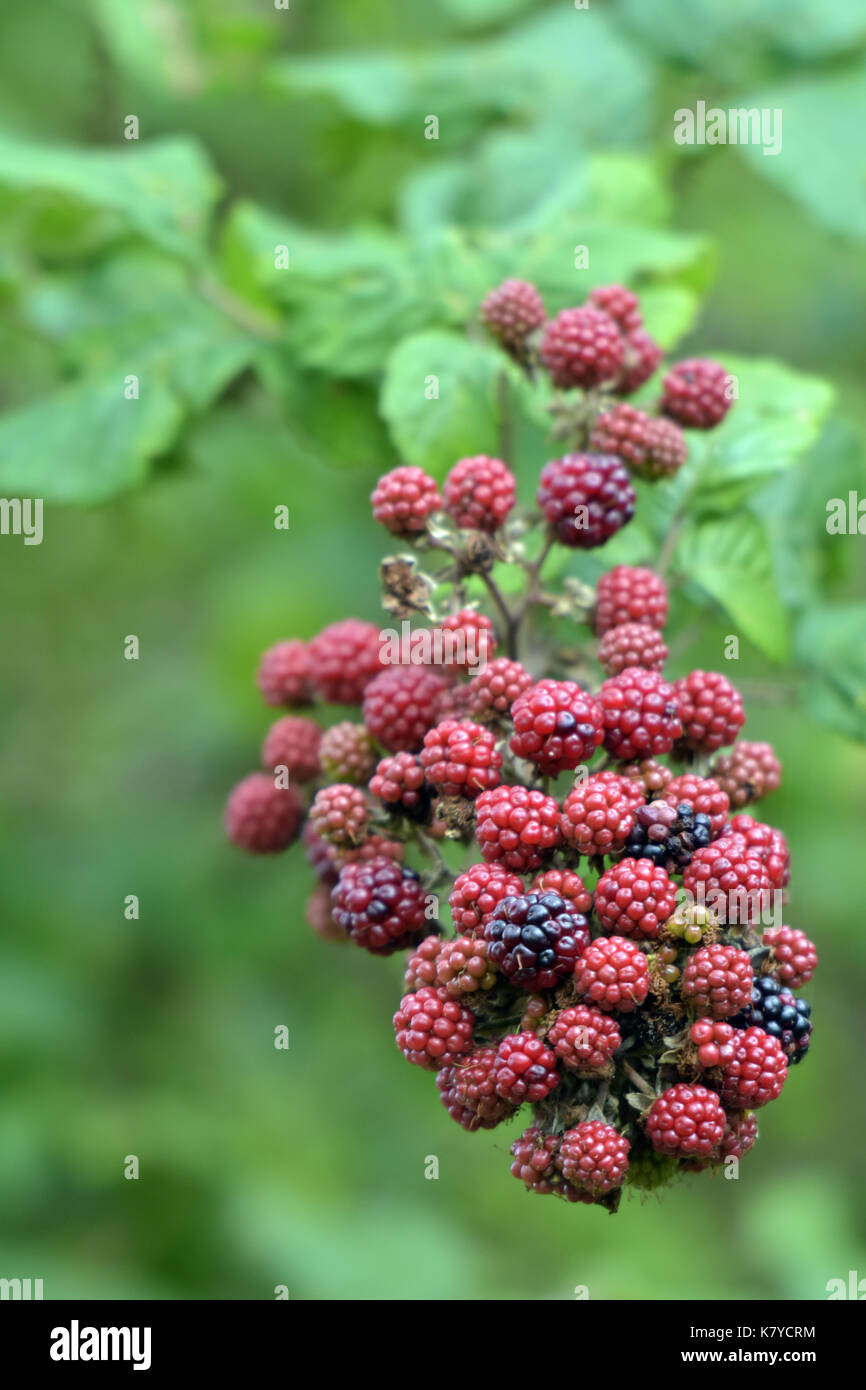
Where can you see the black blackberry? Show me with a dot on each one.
(536, 938)
(668, 836)
(780, 1014)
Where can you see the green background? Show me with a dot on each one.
(154, 1037)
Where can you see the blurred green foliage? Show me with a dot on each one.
(305, 128)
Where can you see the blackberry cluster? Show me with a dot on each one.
(668, 835)
(584, 823)
(786, 1018)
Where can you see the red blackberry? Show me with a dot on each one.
(632, 644)
(459, 758)
(711, 710)
(493, 691)
(652, 447)
(586, 498)
(284, 674)
(476, 894)
(668, 451)
(346, 752)
(340, 815)
(686, 1122)
(767, 844)
(780, 1014)
(668, 835)
(535, 1156)
(516, 827)
(642, 357)
(612, 974)
(715, 1041)
(598, 814)
(262, 817)
(479, 493)
(724, 877)
(717, 980)
(453, 703)
(524, 1069)
(741, 1131)
(557, 726)
(697, 393)
(793, 958)
(465, 967)
(432, 1030)
(640, 714)
(634, 898)
(320, 856)
(583, 1039)
(535, 939)
(649, 774)
(344, 658)
(403, 499)
(421, 964)
(466, 1091)
(703, 794)
(372, 847)
(399, 782)
(474, 641)
(630, 594)
(756, 1073)
(511, 312)
(567, 884)
(582, 347)
(748, 772)
(380, 904)
(319, 915)
(400, 705)
(293, 743)
(619, 304)
(594, 1156)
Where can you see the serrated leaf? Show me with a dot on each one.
(831, 647)
(435, 433)
(135, 316)
(730, 559)
(349, 297)
(821, 161)
(776, 418)
(87, 442)
(164, 190)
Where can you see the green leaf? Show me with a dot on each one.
(472, 12)
(435, 433)
(164, 190)
(728, 39)
(152, 43)
(136, 315)
(349, 297)
(86, 443)
(831, 647)
(529, 70)
(821, 164)
(776, 418)
(730, 559)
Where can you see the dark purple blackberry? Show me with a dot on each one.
(536, 938)
(667, 835)
(780, 1014)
